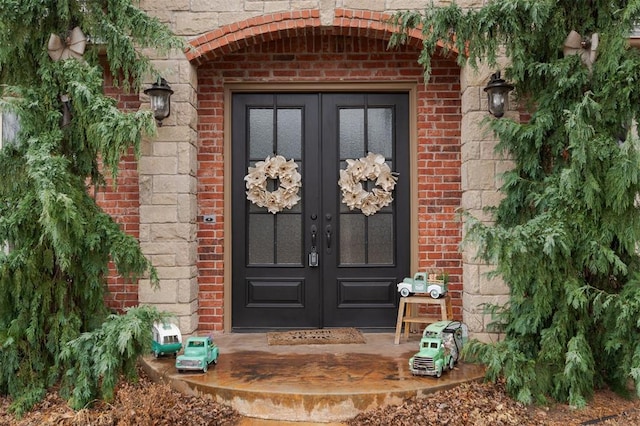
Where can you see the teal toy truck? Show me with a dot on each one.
(433, 284)
(440, 348)
(199, 352)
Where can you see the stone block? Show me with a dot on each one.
(176, 272)
(471, 200)
(164, 260)
(187, 290)
(471, 150)
(165, 199)
(491, 199)
(471, 278)
(188, 324)
(174, 184)
(187, 208)
(174, 247)
(218, 5)
(158, 165)
(192, 24)
(471, 99)
(491, 285)
(276, 6)
(158, 214)
(187, 162)
(163, 5)
(166, 293)
(304, 5)
(164, 149)
(227, 18)
(485, 337)
(376, 5)
(188, 256)
(173, 231)
(480, 174)
(145, 184)
(168, 133)
(473, 321)
(474, 128)
(179, 309)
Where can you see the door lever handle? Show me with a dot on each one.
(314, 235)
(328, 235)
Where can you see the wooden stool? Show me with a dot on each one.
(415, 318)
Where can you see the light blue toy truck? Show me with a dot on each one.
(440, 348)
(199, 352)
(433, 284)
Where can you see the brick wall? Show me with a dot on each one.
(122, 204)
(320, 56)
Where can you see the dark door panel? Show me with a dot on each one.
(318, 264)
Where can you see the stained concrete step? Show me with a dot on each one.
(310, 383)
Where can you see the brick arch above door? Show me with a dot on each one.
(271, 27)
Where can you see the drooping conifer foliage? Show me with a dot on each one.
(566, 234)
(57, 241)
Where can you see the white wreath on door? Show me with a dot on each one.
(370, 168)
(284, 173)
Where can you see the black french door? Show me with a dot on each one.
(318, 264)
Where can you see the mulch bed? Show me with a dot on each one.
(474, 404)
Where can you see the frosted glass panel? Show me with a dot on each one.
(351, 136)
(260, 133)
(261, 238)
(380, 239)
(380, 131)
(289, 133)
(352, 239)
(289, 233)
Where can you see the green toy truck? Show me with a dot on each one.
(440, 348)
(199, 352)
(433, 284)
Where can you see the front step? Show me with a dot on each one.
(310, 383)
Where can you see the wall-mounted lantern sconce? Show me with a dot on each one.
(497, 94)
(160, 97)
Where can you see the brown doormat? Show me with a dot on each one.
(326, 336)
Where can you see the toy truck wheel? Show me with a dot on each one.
(434, 293)
(452, 362)
(439, 372)
(156, 354)
(205, 368)
(404, 292)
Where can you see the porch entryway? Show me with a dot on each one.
(318, 264)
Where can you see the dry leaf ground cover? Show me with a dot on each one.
(148, 403)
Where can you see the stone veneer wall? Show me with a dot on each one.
(168, 183)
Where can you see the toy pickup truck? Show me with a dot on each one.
(440, 348)
(433, 284)
(167, 339)
(199, 352)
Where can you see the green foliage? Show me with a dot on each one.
(566, 232)
(99, 358)
(52, 280)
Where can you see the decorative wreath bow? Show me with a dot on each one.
(71, 47)
(586, 47)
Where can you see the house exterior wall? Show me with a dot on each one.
(181, 172)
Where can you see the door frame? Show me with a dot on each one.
(312, 87)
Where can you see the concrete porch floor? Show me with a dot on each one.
(309, 383)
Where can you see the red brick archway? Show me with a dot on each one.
(276, 26)
(294, 47)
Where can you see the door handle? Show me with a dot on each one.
(314, 235)
(328, 235)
